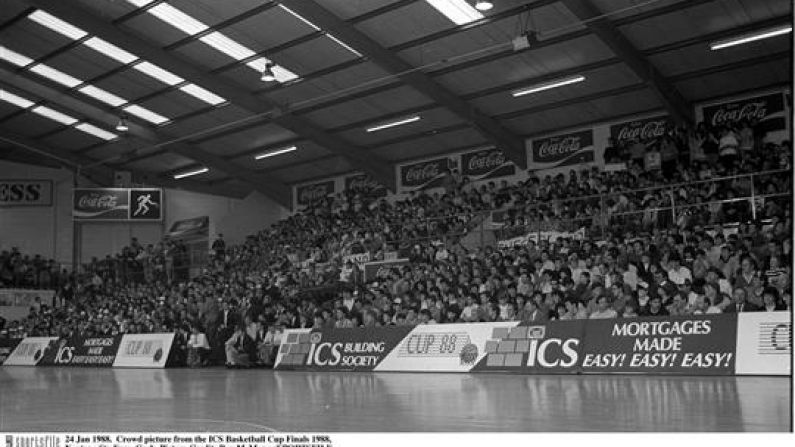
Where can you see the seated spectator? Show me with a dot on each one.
(604, 311)
(240, 349)
(198, 347)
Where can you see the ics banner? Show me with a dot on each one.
(82, 351)
(486, 164)
(644, 129)
(562, 150)
(768, 110)
(424, 175)
(307, 194)
(118, 204)
(381, 269)
(7, 346)
(365, 184)
(25, 193)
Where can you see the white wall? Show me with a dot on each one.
(45, 230)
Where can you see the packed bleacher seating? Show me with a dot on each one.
(672, 238)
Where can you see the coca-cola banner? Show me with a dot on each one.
(307, 194)
(365, 184)
(645, 129)
(118, 204)
(768, 110)
(562, 150)
(424, 175)
(486, 164)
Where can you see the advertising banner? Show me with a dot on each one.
(81, 351)
(562, 150)
(644, 129)
(768, 110)
(118, 204)
(25, 193)
(24, 297)
(143, 350)
(764, 343)
(536, 236)
(424, 175)
(381, 269)
(307, 194)
(356, 349)
(542, 349)
(359, 259)
(443, 347)
(196, 228)
(696, 345)
(29, 351)
(486, 164)
(365, 184)
(7, 346)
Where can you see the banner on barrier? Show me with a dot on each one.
(381, 269)
(537, 236)
(764, 343)
(360, 259)
(29, 351)
(698, 345)
(82, 351)
(7, 346)
(144, 350)
(356, 349)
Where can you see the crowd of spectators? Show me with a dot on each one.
(18, 270)
(643, 260)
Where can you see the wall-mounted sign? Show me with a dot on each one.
(25, 193)
(118, 204)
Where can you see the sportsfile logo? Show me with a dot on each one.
(33, 441)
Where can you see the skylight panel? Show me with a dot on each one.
(57, 25)
(227, 46)
(96, 131)
(110, 50)
(459, 12)
(13, 57)
(55, 75)
(158, 73)
(143, 113)
(14, 99)
(177, 19)
(202, 94)
(102, 95)
(54, 115)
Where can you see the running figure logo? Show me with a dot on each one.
(144, 201)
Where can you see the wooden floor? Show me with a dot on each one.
(76, 399)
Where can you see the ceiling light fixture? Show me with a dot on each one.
(394, 123)
(267, 73)
(458, 11)
(549, 85)
(483, 5)
(190, 173)
(275, 152)
(122, 125)
(750, 37)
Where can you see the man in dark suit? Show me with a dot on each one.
(740, 303)
(533, 314)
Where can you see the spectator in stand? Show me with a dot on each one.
(604, 310)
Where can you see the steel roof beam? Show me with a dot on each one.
(677, 105)
(510, 144)
(76, 14)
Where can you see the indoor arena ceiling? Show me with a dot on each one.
(187, 77)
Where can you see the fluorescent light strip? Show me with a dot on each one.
(751, 37)
(459, 11)
(215, 39)
(96, 131)
(158, 73)
(13, 57)
(102, 95)
(343, 45)
(54, 115)
(275, 152)
(190, 173)
(549, 85)
(202, 94)
(144, 113)
(14, 99)
(57, 25)
(55, 75)
(317, 28)
(110, 50)
(393, 124)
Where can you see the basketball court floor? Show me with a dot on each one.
(217, 399)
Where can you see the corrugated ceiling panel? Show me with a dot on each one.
(430, 120)
(29, 124)
(171, 104)
(71, 139)
(697, 57)
(10, 10)
(148, 27)
(31, 39)
(213, 11)
(421, 147)
(83, 63)
(259, 137)
(622, 8)
(526, 65)
(411, 22)
(162, 163)
(314, 55)
(132, 84)
(108, 10)
(306, 153)
(372, 107)
(725, 83)
(272, 28)
(326, 168)
(207, 121)
(613, 76)
(345, 9)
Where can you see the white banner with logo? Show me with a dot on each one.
(764, 343)
(29, 351)
(144, 351)
(359, 259)
(536, 236)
